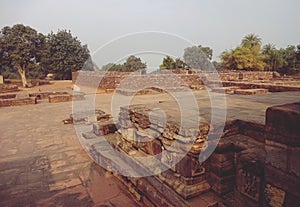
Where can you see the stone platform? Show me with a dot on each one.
(43, 163)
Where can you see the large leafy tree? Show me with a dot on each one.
(133, 64)
(198, 57)
(23, 48)
(247, 56)
(168, 63)
(273, 57)
(179, 63)
(66, 54)
(243, 58)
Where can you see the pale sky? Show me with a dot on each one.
(218, 24)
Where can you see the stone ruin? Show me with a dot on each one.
(233, 82)
(4, 88)
(253, 164)
(23, 98)
(16, 99)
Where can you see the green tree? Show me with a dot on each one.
(133, 64)
(23, 48)
(218, 66)
(290, 56)
(107, 67)
(89, 65)
(66, 54)
(198, 57)
(247, 56)
(251, 41)
(243, 58)
(168, 63)
(298, 57)
(179, 63)
(207, 51)
(113, 67)
(273, 57)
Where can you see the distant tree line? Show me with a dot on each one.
(131, 64)
(28, 53)
(251, 55)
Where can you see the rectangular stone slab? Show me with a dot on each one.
(283, 124)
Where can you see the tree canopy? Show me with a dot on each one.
(246, 56)
(169, 63)
(66, 54)
(251, 55)
(131, 64)
(22, 48)
(198, 57)
(32, 54)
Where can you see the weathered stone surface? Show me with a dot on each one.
(226, 90)
(282, 180)
(59, 98)
(250, 91)
(104, 128)
(274, 196)
(7, 88)
(17, 101)
(282, 122)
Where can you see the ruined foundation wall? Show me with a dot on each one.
(190, 78)
(253, 165)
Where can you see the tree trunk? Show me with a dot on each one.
(22, 74)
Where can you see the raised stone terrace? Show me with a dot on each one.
(43, 162)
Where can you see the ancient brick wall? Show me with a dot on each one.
(190, 78)
(17, 101)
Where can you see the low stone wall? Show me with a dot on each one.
(272, 87)
(59, 98)
(8, 96)
(55, 98)
(17, 101)
(8, 88)
(176, 78)
(19, 83)
(251, 91)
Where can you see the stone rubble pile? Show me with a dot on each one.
(253, 165)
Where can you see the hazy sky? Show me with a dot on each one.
(218, 24)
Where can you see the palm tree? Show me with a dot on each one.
(268, 49)
(229, 60)
(269, 52)
(251, 40)
(273, 57)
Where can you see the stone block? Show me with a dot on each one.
(274, 196)
(293, 161)
(104, 128)
(59, 98)
(18, 102)
(189, 166)
(282, 124)
(221, 184)
(291, 200)
(282, 180)
(277, 157)
(151, 147)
